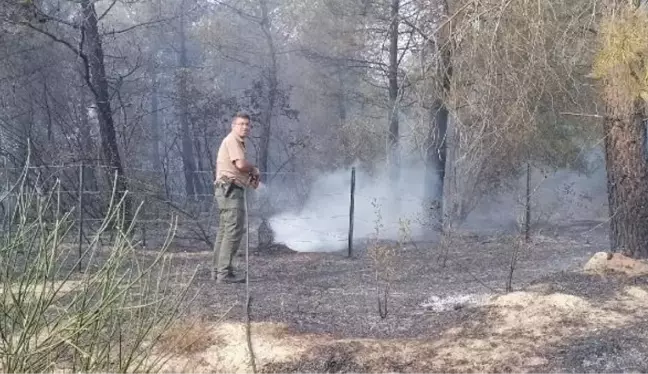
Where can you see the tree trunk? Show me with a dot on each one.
(188, 161)
(266, 126)
(273, 86)
(393, 146)
(156, 159)
(341, 98)
(436, 155)
(266, 119)
(451, 206)
(627, 179)
(527, 205)
(86, 145)
(99, 86)
(48, 112)
(201, 182)
(436, 141)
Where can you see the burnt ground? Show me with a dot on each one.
(333, 296)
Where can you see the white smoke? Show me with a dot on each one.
(557, 197)
(322, 224)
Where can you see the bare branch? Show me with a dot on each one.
(48, 17)
(131, 28)
(241, 13)
(52, 36)
(107, 10)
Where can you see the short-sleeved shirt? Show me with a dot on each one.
(232, 148)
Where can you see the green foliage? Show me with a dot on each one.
(621, 60)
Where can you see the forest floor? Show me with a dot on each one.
(315, 312)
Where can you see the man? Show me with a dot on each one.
(233, 174)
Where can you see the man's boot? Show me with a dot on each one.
(229, 279)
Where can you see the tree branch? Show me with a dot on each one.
(55, 19)
(107, 10)
(86, 63)
(52, 36)
(241, 13)
(131, 28)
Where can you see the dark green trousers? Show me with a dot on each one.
(231, 227)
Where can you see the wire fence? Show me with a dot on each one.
(162, 203)
(160, 197)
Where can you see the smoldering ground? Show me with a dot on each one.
(381, 210)
(386, 211)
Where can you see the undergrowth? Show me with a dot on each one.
(107, 318)
(384, 256)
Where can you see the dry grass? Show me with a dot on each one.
(227, 349)
(606, 263)
(188, 336)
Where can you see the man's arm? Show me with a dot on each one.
(243, 165)
(237, 155)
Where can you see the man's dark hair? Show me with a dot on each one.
(241, 115)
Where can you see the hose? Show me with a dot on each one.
(248, 298)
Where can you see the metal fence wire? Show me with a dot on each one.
(158, 198)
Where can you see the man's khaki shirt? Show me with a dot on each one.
(232, 148)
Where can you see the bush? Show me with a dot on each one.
(107, 318)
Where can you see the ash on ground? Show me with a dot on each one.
(454, 302)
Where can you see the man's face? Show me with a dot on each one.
(241, 127)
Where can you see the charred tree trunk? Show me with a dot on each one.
(188, 161)
(155, 8)
(156, 159)
(436, 142)
(98, 83)
(393, 146)
(451, 206)
(436, 154)
(627, 179)
(341, 97)
(267, 116)
(436, 146)
(273, 86)
(201, 183)
(86, 145)
(266, 126)
(527, 204)
(48, 111)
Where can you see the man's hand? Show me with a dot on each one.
(254, 177)
(254, 180)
